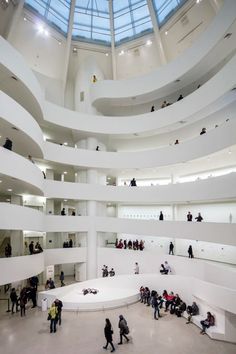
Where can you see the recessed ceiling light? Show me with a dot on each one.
(108, 177)
(65, 172)
(0, 181)
(59, 42)
(149, 42)
(166, 32)
(106, 54)
(9, 190)
(121, 52)
(74, 49)
(65, 200)
(8, 200)
(230, 152)
(25, 19)
(65, 144)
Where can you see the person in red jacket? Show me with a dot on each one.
(169, 300)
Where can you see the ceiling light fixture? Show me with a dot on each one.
(106, 54)
(149, 42)
(65, 172)
(121, 53)
(65, 143)
(166, 32)
(75, 50)
(25, 19)
(9, 190)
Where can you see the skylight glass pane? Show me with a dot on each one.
(165, 9)
(131, 19)
(95, 18)
(54, 12)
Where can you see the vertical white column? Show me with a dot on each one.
(157, 32)
(68, 44)
(15, 20)
(113, 51)
(92, 243)
(17, 235)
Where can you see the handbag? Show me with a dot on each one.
(49, 317)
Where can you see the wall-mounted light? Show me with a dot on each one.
(121, 53)
(65, 143)
(106, 54)
(9, 190)
(166, 32)
(65, 172)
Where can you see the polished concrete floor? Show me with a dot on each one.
(82, 333)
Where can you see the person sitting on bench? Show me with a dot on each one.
(208, 322)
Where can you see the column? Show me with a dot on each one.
(157, 32)
(68, 45)
(15, 20)
(113, 51)
(92, 243)
(16, 236)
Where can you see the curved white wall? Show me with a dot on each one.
(217, 188)
(18, 268)
(195, 106)
(16, 166)
(17, 116)
(26, 90)
(145, 86)
(16, 217)
(215, 140)
(64, 255)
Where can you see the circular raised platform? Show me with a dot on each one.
(112, 292)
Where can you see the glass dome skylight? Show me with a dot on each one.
(92, 19)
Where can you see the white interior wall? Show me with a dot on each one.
(181, 33)
(37, 49)
(144, 211)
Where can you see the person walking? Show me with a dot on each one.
(171, 248)
(190, 252)
(124, 329)
(108, 331)
(52, 316)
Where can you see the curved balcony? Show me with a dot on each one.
(18, 268)
(195, 61)
(64, 255)
(18, 81)
(16, 217)
(208, 99)
(198, 147)
(211, 189)
(27, 136)
(27, 177)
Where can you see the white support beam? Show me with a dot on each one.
(113, 51)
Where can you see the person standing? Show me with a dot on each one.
(59, 305)
(136, 268)
(108, 331)
(171, 248)
(14, 300)
(31, 247)
(199, 218)
(155, 305)
(189, 216)
(124, 329)
(23, 301)
(52, 316)
(62, 277)
(190, 252)
(161, 216)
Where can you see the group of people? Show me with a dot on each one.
(63, 212)
(89, 291)
(108, 332)
(54, 315)
(173, 303)
(198, 218)
(68, 244)
(131, 245)
(106, 272)
(35, 249)
(26, 294)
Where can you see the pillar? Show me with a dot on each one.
(15, 20)
(16, 236)
(157, 33)
(113, 51)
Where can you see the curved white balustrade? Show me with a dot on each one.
(26, 90)
(18, 268)
(196, 106)
(215, 140)
(20, 168)
(188, 67)
(217, 188)
(31, 136)
(16, 217)
(23, 218)
(64, 255)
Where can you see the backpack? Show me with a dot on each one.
(126, 330)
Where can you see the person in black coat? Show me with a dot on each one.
(108, 335)
(171, 248)
(161, 216)
(190, 252)
(8, 144)
(14, 300)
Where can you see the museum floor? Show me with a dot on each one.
(82, 333)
